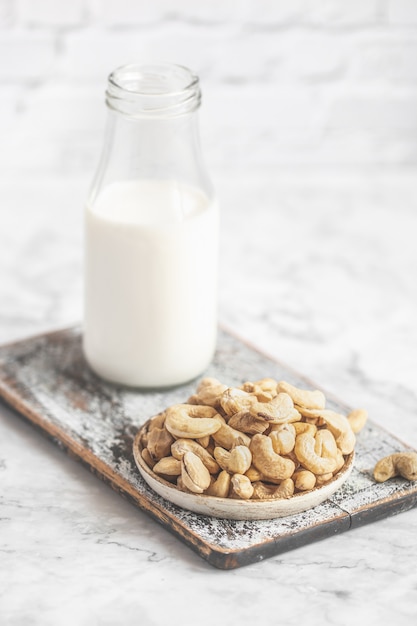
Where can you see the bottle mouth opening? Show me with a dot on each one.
(154, 90)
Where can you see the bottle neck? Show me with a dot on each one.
(152, 129)
(153, 91)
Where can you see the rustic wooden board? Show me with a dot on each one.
(47, 381)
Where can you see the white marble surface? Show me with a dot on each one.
(318, 268)
(319, 271)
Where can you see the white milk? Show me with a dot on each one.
(150, 283)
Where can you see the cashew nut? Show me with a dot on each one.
(340, 461)
(264, 389)
(304, 480)
(325, 444)
(237, 461)
(341, 429)
(159, 442)
(221, 486)
(357, 419)
(303, 397)
(312, 415)
(263, 491)
(248, 423)
(337, 423)
(227, 437)
(168, 466)
(286, 489)
(308, 457)
(146, 456)
(268, 462)
(194, 474)
(181, 486)
(157, 421)
(208, 392)
(398, 464)
(191, 421)
(323, 478)
(203, 441)
(234, 400)
(279, 410)
(253, 474)
(181, 446)
(304, 427)
(242, 486)
(283, 438)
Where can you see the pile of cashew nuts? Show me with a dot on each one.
(265, 439)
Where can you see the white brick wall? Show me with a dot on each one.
(288, 83)
(56, 14)
(26, 56)
(402, 12)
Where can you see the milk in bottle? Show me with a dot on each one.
(151, 236)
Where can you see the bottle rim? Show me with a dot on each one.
(153, 90)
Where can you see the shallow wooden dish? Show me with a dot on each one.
(231, 508)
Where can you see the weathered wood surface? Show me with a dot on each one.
(47, 381)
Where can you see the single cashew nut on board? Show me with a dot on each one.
(357, 419)
(398, 464)
(191, 421)
(267, 461)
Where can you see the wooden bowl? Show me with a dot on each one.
(232, 508)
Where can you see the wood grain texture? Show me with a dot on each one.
(46, 380)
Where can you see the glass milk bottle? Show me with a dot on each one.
(151, 235)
